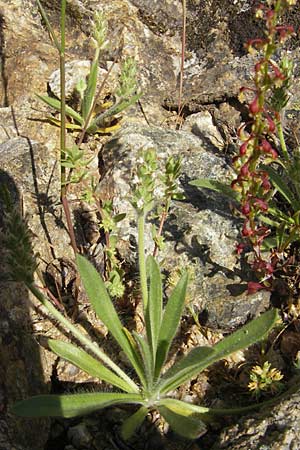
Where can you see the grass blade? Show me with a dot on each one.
(87, 363)
(71, 405)
(171, 319)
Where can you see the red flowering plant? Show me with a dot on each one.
(263, 166)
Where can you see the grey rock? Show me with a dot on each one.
(75, 71)
(274, 429)
(201, 124)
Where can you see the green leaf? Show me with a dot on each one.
(118, 217)
(216, 186)
(280, 184)
(170, 322)
(280, 215)
(153, 312)
(184, 418)
(90, 91)
(98, 121)
(254, 331)
(71, 405)
(188, 366)
(133, 422)
(139, 362)
(147, 359)
(197, 360)
(84, 361)
(104, 308)
(56, 104)
(69, 126)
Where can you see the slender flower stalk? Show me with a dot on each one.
(142, 259)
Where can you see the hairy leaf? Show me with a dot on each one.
(188, 366)
(133, 422)
(216, 186)
(90, 91)
(182, 420)
(87, 363)
(56, 104)
(71, 405)
(104, 308)
(170, 322)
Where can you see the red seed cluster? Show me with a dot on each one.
(257, 148)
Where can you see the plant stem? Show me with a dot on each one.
(62, 95)
(142, 260)
(183, 40)
(81, 337)
(70, 225)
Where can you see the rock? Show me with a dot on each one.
(79, 436)
(273, 429)
(201, 124)
(75, 71)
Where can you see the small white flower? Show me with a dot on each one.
(135, 180)
(140, 203)
(158, 192)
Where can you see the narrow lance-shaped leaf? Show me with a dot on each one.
(104, 308)
(170, 322)
(183, 418)
(56, 104)
(216, 186)
(278, 182)
(133, 422)
(71, 405)
(146, 358)
(154, 308)
(85, 362)
(90, 91)
(202, 357)
(137, 356)
(99, 121)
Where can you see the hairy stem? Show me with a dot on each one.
(142, 259)
(62, 96)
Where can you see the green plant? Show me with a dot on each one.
(151, 387)
(114, 272)
(89, 119)
(266, 186)
(265, 379)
